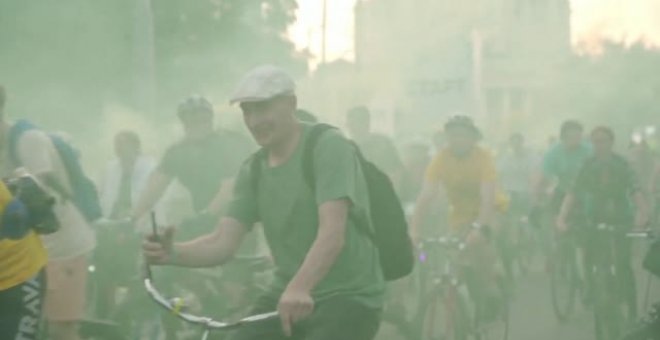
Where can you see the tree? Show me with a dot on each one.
(70, 57)
(619, 88)
(207, 45)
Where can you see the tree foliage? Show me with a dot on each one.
(211, 42)
(619, 87)
(73, 56)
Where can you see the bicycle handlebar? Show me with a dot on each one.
(646, 234)
(112, 223)
(206, 322)
(444, 241)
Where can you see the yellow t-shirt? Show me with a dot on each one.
(20, 259)
(462, 179)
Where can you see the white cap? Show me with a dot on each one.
(263, 83)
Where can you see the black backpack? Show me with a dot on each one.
(390, 233)
(652, 258)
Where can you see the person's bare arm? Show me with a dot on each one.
(158, 183)
(222, 197)
(566, 207)
(296, 302)
(210, 250)
(428, 194)
(329, 242)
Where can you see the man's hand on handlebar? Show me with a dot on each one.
(295, 304)
(159, 249)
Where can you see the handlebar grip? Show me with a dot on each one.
(154, 227)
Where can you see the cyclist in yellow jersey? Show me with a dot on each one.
(22, 262)
(466, 173)
(22, 279)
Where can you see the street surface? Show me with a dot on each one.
(532, 317)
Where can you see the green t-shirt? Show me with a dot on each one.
(288, 210)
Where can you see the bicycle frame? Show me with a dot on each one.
(443, 278)
(447, 275)
(607, 278)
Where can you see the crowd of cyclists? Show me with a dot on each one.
(305, 250)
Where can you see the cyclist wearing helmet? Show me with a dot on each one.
(205, 162)
(466, 173)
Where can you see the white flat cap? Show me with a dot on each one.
(263, 83)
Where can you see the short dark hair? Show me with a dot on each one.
(131, 136)
(569, 126)
(607, 131)
(359, 112)
(463, 122)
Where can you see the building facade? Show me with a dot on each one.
(435, 58)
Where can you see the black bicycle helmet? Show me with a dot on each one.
(462, 121)
(195, 104)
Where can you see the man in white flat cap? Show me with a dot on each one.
(328, 282)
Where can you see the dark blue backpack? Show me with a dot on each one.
(85, 197)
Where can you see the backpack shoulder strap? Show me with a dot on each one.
(308, 153)
(15, 132)
(255, 168)
(308, 165)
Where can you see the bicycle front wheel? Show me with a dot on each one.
(608, 310)
(564, 283)
(444, 316)
(492, 319)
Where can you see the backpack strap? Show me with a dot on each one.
(15, 132)
(308, 166)
(255, 161)
(308, 153)
(255, 168)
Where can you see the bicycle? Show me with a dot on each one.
(403, 301)
(516, 239)
(177, 307)
(113, 315)
(230, 292)
(609, 280)
(648, 328)
(565, 282)
(446, 311)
